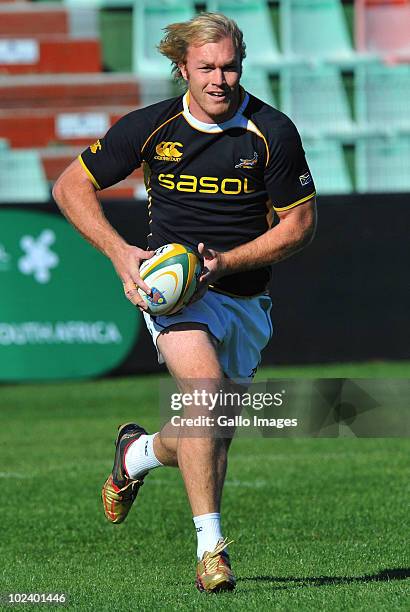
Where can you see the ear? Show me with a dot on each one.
(183, 70)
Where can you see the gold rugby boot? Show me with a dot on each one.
(213, 572)
(119, 491)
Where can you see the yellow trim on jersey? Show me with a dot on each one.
(90, 176)
(146, 169)
(259, 133)
(149, 206)
(295, 203)
(158, 128)
(269, 213)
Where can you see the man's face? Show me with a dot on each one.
(213, 71)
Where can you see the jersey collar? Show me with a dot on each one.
(238, 120)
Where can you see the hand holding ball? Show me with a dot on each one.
(172, 273)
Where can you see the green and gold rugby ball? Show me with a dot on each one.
(172, 274)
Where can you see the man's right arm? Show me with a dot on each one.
(76, 197)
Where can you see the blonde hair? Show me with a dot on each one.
(202, 29)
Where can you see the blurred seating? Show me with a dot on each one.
(69, 91)
(149, 19)
(256, 81)
(55, 159)
(53, 54)
(382, 164)
(384, 27)
(31, 19)
(315, 99)
(42, 127)
(328, 166)
(38, 110)
(55, 97)
(383, 98)
(254, 19)
(22, 177)
(316, 31)
(111, 4)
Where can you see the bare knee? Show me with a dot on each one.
(190, 352)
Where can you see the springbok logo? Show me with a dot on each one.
(248, 163)
(95, 147)
(168, 151)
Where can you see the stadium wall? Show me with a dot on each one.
(344, 298)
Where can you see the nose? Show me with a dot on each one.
(218, 77)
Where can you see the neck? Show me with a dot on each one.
(198, 113)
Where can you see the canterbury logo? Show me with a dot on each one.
(95, 147)
(248, 163)
(168, 151)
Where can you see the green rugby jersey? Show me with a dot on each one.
(214, 183)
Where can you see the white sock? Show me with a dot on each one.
(140, 457)
(208, 532)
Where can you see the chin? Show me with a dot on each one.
(221, 113)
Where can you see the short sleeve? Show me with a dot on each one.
(113, 157)
(287, 176)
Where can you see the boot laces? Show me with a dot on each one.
(211, 559)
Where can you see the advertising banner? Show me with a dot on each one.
(63, 313)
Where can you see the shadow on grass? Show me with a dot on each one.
(383, 576)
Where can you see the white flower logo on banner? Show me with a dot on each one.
(39, 259)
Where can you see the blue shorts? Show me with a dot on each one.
(241, 326)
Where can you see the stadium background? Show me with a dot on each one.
(317, 523)
(68, 70)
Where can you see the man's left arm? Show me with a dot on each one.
(295, 230)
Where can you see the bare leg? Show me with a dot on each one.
(165, 449)
(202, 460)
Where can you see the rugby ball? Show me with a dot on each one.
(172, 274)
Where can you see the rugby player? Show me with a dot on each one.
(219, 165)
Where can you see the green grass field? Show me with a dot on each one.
(317, 523)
